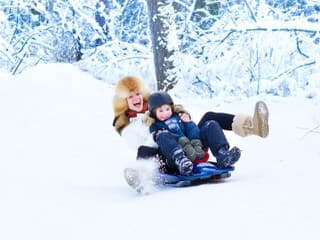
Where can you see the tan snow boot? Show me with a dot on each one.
(245, 125)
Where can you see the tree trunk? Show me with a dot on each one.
(159, 27)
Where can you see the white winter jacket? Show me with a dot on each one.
(137, 133)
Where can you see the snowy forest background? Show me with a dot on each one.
(211, 47)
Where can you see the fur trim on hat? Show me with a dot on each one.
(120, 105)
(149, 118)
(128, 84)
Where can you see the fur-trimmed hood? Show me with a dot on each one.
(120, 106)
(177, 108)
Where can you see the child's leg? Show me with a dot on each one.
(192, 130)
(193, 133)
(173, 152)
(167, 144)
(213, 137)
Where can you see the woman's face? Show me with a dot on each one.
(135, 101)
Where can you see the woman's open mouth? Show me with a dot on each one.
(138, 104)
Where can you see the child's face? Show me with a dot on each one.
(164, 112)
(135, 101)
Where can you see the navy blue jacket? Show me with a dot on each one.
(176, 127)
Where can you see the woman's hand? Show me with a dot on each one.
(185, 117)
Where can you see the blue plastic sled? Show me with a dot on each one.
(202, 173)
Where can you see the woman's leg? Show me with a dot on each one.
(225, 120)
(245, 125)
(242, 124)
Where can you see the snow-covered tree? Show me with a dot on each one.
(35, 34)
(211, 47)
(58, 30)
(252, 47)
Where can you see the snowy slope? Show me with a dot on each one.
(61, 169)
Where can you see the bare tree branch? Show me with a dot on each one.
(312, 130)
(294, 68)
(250, 11)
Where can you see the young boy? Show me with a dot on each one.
(186, 132)
(169, 131)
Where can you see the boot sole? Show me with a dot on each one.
(133, 179)
(262, 118)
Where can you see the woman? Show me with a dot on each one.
(131, 102)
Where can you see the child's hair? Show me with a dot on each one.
(157, 100)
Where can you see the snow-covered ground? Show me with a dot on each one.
(61, 167)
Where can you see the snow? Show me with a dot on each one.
(61, 167)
